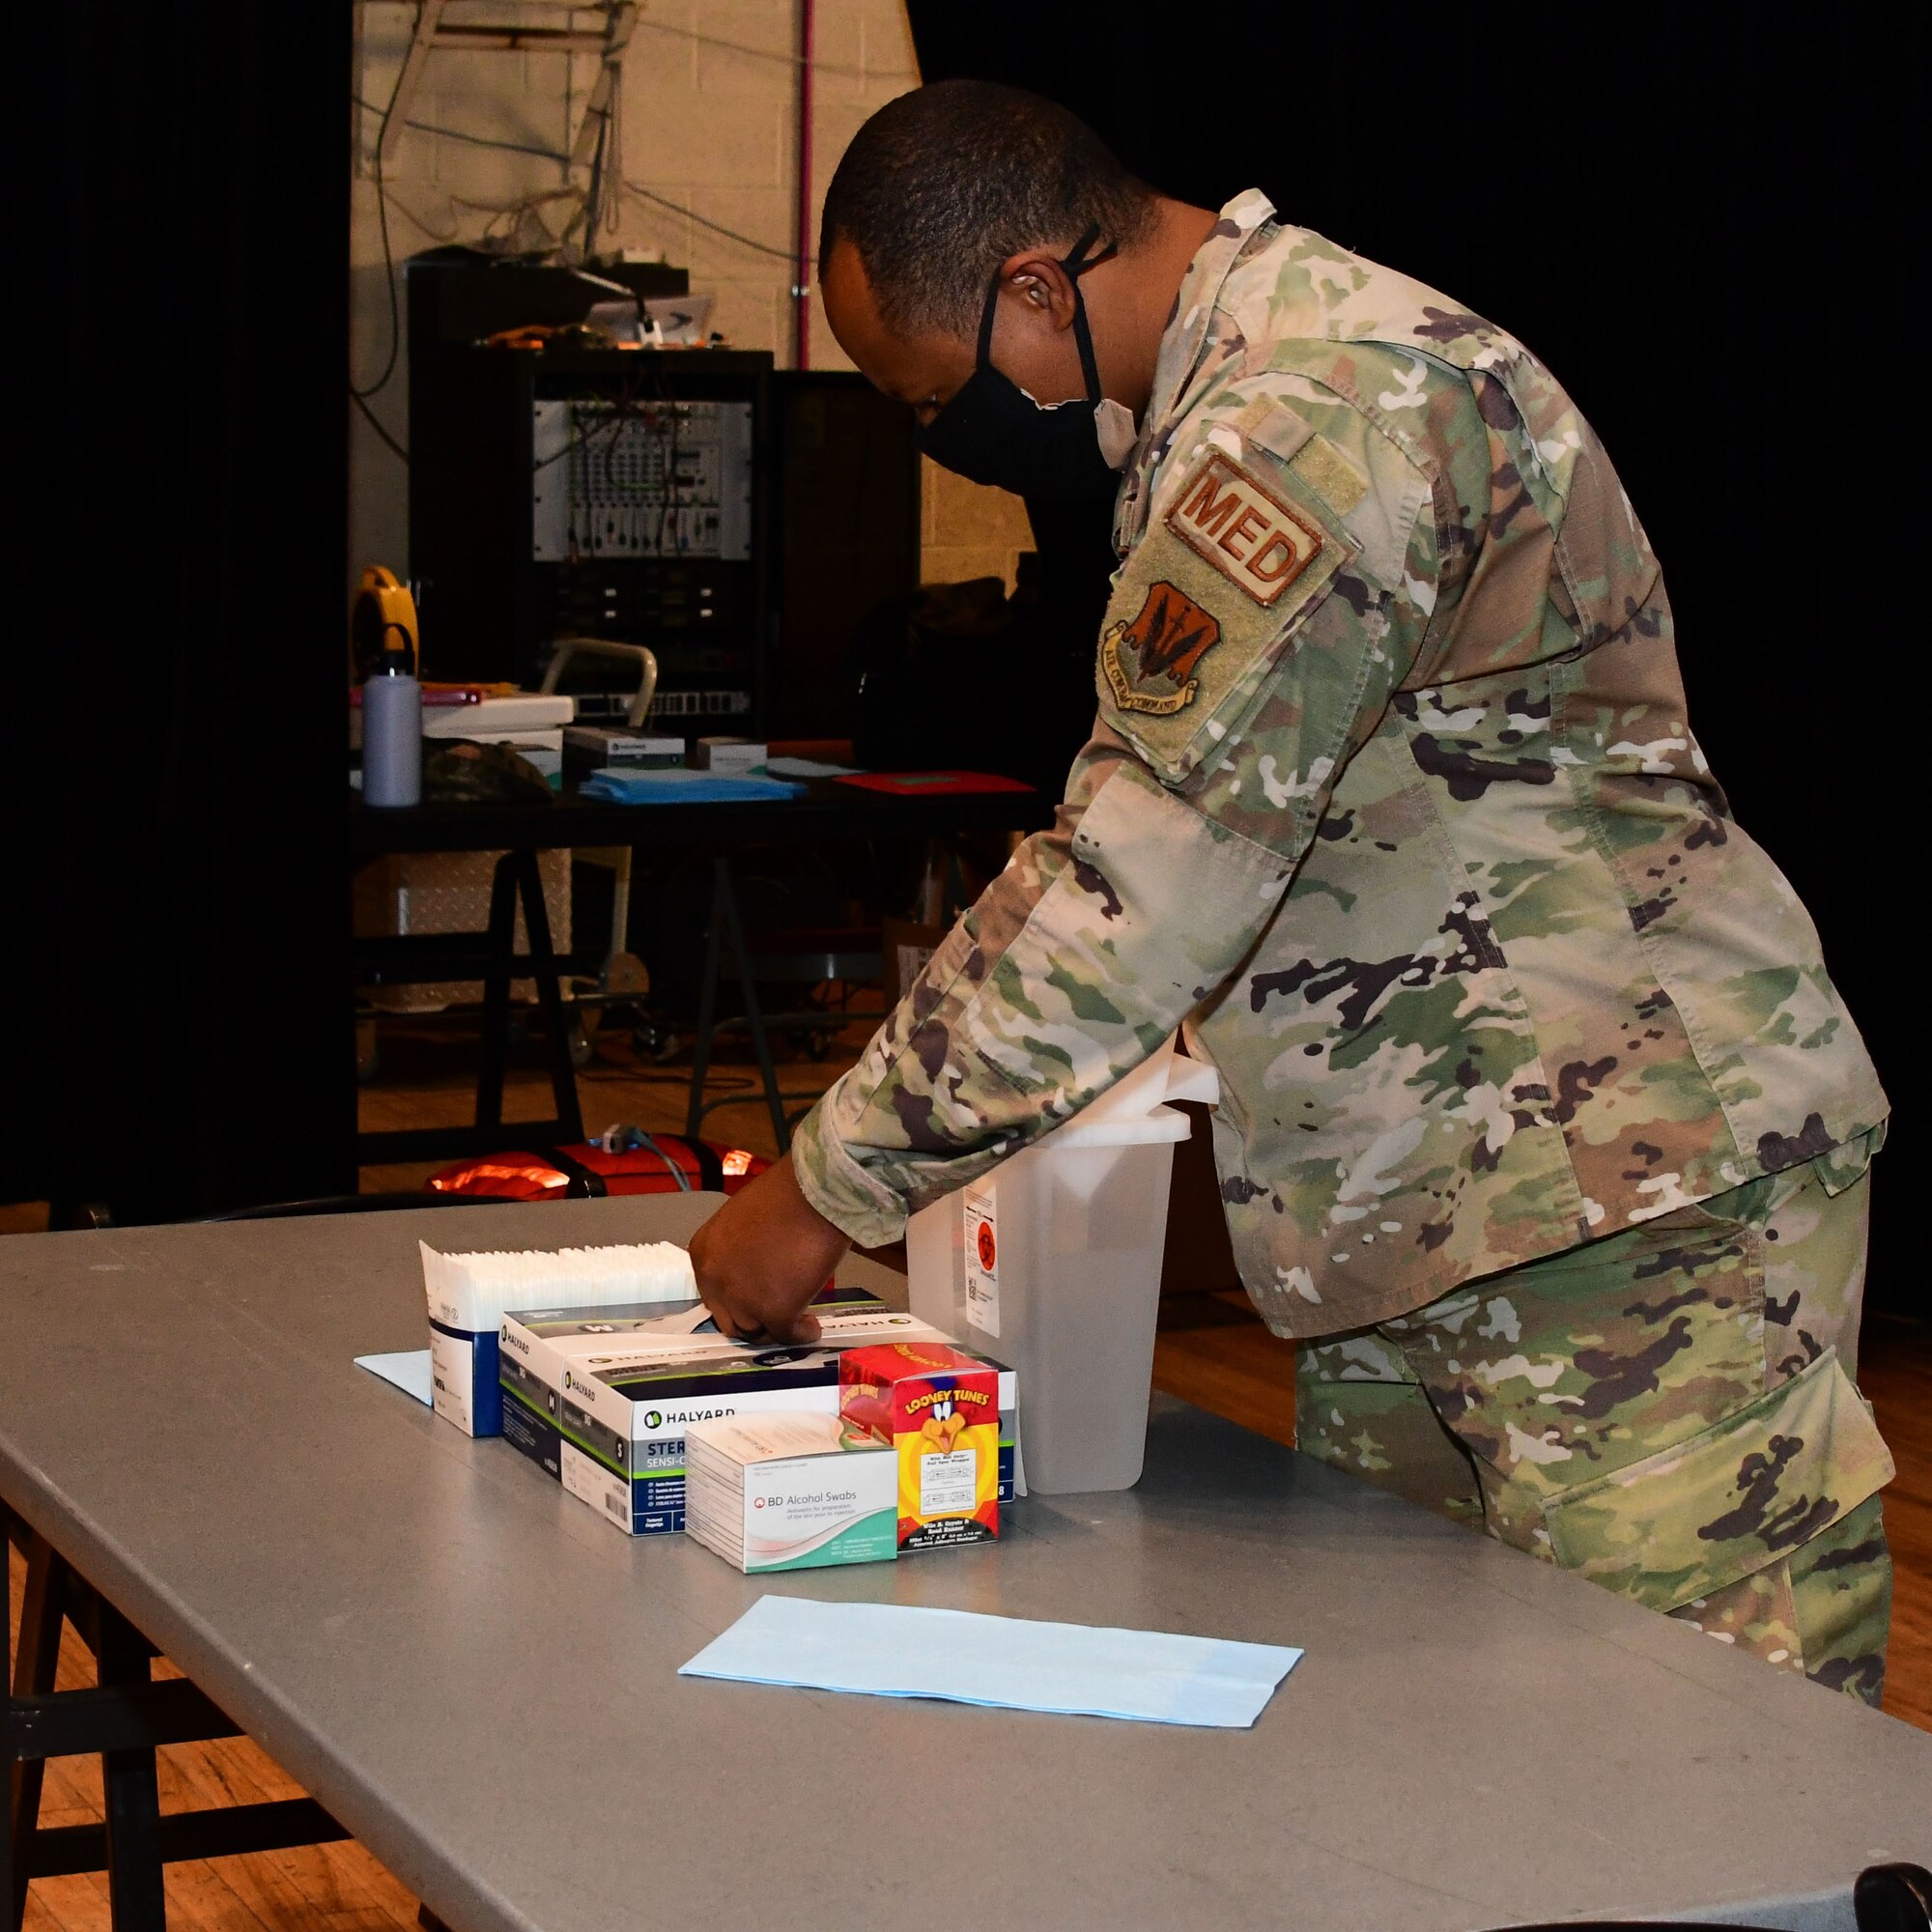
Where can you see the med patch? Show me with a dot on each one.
(1228, 515)
(1208, 601)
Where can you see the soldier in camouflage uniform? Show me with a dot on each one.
(1543, 1127)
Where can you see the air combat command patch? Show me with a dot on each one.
(1150, 662)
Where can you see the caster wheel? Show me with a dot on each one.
(368, 1062)
(581, 1052)
(655, 1044)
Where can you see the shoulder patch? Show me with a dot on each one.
(1228, 516)
(1209, 603)
(1150, 661)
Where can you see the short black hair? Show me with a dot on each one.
(943, 184)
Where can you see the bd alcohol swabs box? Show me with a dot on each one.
(600, 1398)
(789, 1492)
(468, 1294)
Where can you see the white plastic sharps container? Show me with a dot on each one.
(1051, 1266)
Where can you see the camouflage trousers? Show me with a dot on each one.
(1669, 1412)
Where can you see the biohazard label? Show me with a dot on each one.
(983, 1261)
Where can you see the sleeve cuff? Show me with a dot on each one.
(858, 1204)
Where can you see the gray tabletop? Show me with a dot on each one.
(478, 1675)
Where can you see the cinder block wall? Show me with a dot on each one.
(707, 126)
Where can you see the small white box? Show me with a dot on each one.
(494, 718)
(614, 745)
(732, 757)
(789, 1492)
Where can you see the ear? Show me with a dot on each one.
(1039, 285)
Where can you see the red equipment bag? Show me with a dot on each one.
(924, 784)
(624, 1160)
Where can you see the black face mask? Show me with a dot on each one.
(993, 432)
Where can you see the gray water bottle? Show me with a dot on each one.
(393, 728)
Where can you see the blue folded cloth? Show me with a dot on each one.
(408, 1370)
(674, 785)
(898, 1650)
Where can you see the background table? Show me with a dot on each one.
(477, 1676)
(824, 810)
(827, 810)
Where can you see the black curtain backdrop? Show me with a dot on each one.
(178, 1033)
(1704, 219)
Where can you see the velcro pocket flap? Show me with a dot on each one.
(1757, 1486)
(1233, 561)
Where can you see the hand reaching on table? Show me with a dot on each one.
(763, 1256)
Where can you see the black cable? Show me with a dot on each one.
(473, 140)
(591, 200)
(362, 401)
(627, 1074)
(622, 410)
(550, 155)
(389, 278)
(388, 257)
(611, 447)
(715, 227)
(575, 443)
(668, 508)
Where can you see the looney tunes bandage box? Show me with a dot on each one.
(939, 1408)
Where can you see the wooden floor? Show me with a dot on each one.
(1211, 1350)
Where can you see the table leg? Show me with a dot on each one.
(707, 1004)
(122, 1720)
(135, 1895)
(503, 945)
(774, 1101)
(33, 1668)
(550, 997)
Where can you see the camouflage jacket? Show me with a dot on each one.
(1392, 804)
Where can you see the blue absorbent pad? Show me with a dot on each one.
(408, 1370)
(899, 1650)
(626, 785)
